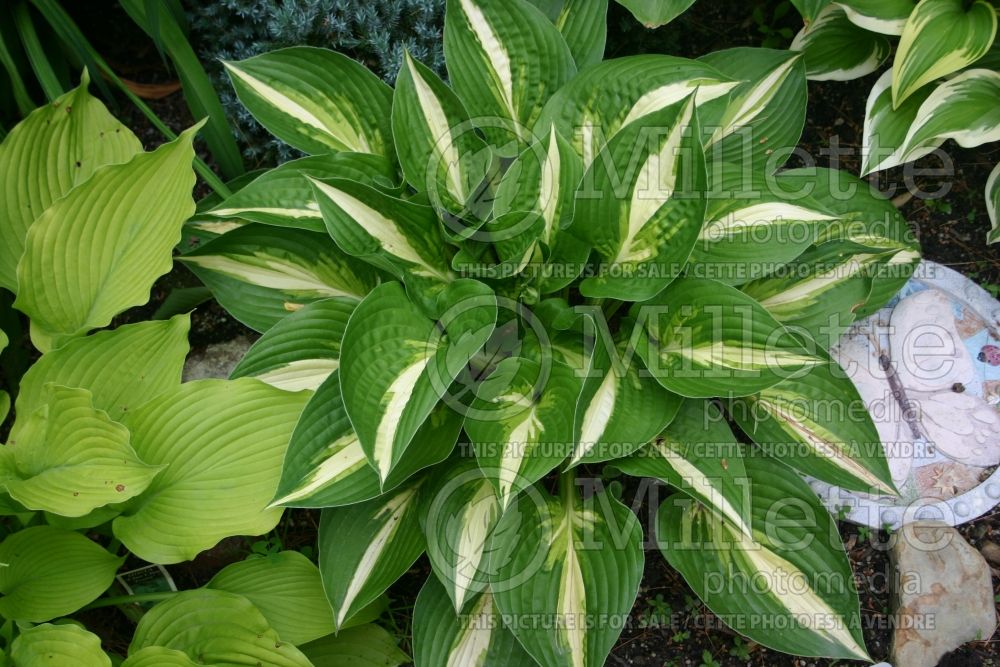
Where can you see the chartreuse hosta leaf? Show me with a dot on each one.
(993, 203)
(222, 442)
(808, 580)
(55, 148)
(655, 13)
(474, 637)
(364, 548)
(576, 564)
(49, 572)
(886, 127)
(940, 37)
(883, 16)
(283, 197)
(316, 100)
(439, 150)
(646, 205)
(157, 656)
(97, 250)
(396, 364)
(582, 23)
(698, 454)
(505, 60)
(260, 276)
(62, 645)
(703, 338)
(362, 646)
(300, 351)
(211, 628)
(520, 424)
(817, 424)
(325, 465)
(72, 458)
(835, 49)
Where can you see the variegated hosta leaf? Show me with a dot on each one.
(645, 205)
(316, 100)
(887, 17)
(260, 273)
(50, 572)
(620, 409)
(703, 338)
(603, 99)
(205, 432)
(698, 454)
(325, 465)
(62, 645)
(438, 147)
(300, 351)
(809, 9)
(396, 364)
(819, 425)
(364, 548)
(576, 564)
(886, 127)
(940, 37)
(213, 627)
(286, 588)
(71, 458)
(362, 646)
(505, 60)
(56, 147)
(805, 574)
(520, 423)
(993, 203)
(97, 250)
(835, 49)
(656, 13)
(474, 637)
(582, 23)
(282, 196)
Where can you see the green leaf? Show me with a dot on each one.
(223, 441)
(883, 16)
(157, 656)
(361, 646)
(475, 637)
(810, 9)
(801, 574)
(63, 645)
(656, 13)
(645, 206)
(993, 203)
(71, 458)
(98, 250)
(288, 591)
(212, 628)
(582, 23)
(546, 566)
(49, 572)
(703, 339)
(260, 274)
(56, 147)
(835, 49)
(940, 37)
(316, 100)
(364, 548)
(886, 127)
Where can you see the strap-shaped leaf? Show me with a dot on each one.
(582, 23)
(546, 566)
(886, 127)
(49, 572)
(288, 591)
(282, 196)
(887, 17)
(260, 274)
(836, 49)
(97, 250)
(300, 351)
(505, 60)
(520, 424)
(703, 338)
(56, 147)
(71, 458)
(316, 100)
(803, 570)
(646, 204)
(656, 13)
(214, 627)
(207, 431)
(396, 364)
(364, 548)
(940, 37)
(362, 646)
(49, 645)
(822, 417)
(993, 203)
(439, 150)
(475, 637)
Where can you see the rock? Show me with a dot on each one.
(216, 360)
(943, 596)
(991, 550)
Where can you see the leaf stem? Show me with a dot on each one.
(567, 487)
(130, 599)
